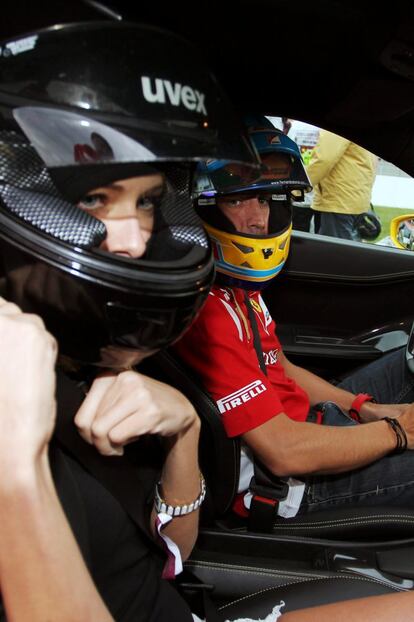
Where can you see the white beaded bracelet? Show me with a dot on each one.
(162, 507)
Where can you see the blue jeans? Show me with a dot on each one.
(388, 481)
(338, 225)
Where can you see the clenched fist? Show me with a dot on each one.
(27, 385)
(120, 408)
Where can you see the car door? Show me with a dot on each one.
(339, 304)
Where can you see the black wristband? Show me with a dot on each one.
(400, 436)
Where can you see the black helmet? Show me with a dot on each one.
(368, 225)
(82, 105)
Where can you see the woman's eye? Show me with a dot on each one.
(148, 203)
(91, 201)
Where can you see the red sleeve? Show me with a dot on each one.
(216, 349)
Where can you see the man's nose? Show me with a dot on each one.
(125, 237)
(256, 213)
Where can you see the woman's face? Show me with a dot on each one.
(126, 207)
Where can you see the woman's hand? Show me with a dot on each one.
(120, 408)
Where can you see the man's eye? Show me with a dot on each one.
(91, 201)
(235, 203)
(263, 201)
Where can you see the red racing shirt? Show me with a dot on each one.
(219, 348)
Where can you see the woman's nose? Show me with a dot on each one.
(125, 237)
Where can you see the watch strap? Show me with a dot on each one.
(162, 507)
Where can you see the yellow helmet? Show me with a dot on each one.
(245, 260)
(402, 231)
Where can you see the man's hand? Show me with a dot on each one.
(403, 412)
(407, 422)
(370, 411)
(27, 386)
(119, 408)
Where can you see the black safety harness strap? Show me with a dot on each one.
(267, 489)
(256, 337)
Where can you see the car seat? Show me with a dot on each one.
(372, 541)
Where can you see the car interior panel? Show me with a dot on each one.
(349, 291)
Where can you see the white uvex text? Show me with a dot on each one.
(158, 91)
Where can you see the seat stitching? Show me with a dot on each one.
(269, 589)
(251, 569)
(344, 522)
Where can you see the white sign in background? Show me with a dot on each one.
(394, 192)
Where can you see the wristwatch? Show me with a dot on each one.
(162, 507)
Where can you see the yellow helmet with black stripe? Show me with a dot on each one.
(245, 260)
(248, 258)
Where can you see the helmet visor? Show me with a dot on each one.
(225, 177)
(28, 194)
(281, 170)
(173, 114)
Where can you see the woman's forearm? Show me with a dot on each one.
(180, 485)
(42, 573)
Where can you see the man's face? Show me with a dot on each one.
(126, 207)
(249, 214)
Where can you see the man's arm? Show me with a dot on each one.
(319, 390)
(289, 447)
(42, 573)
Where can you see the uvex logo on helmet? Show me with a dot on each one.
(177, 94)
